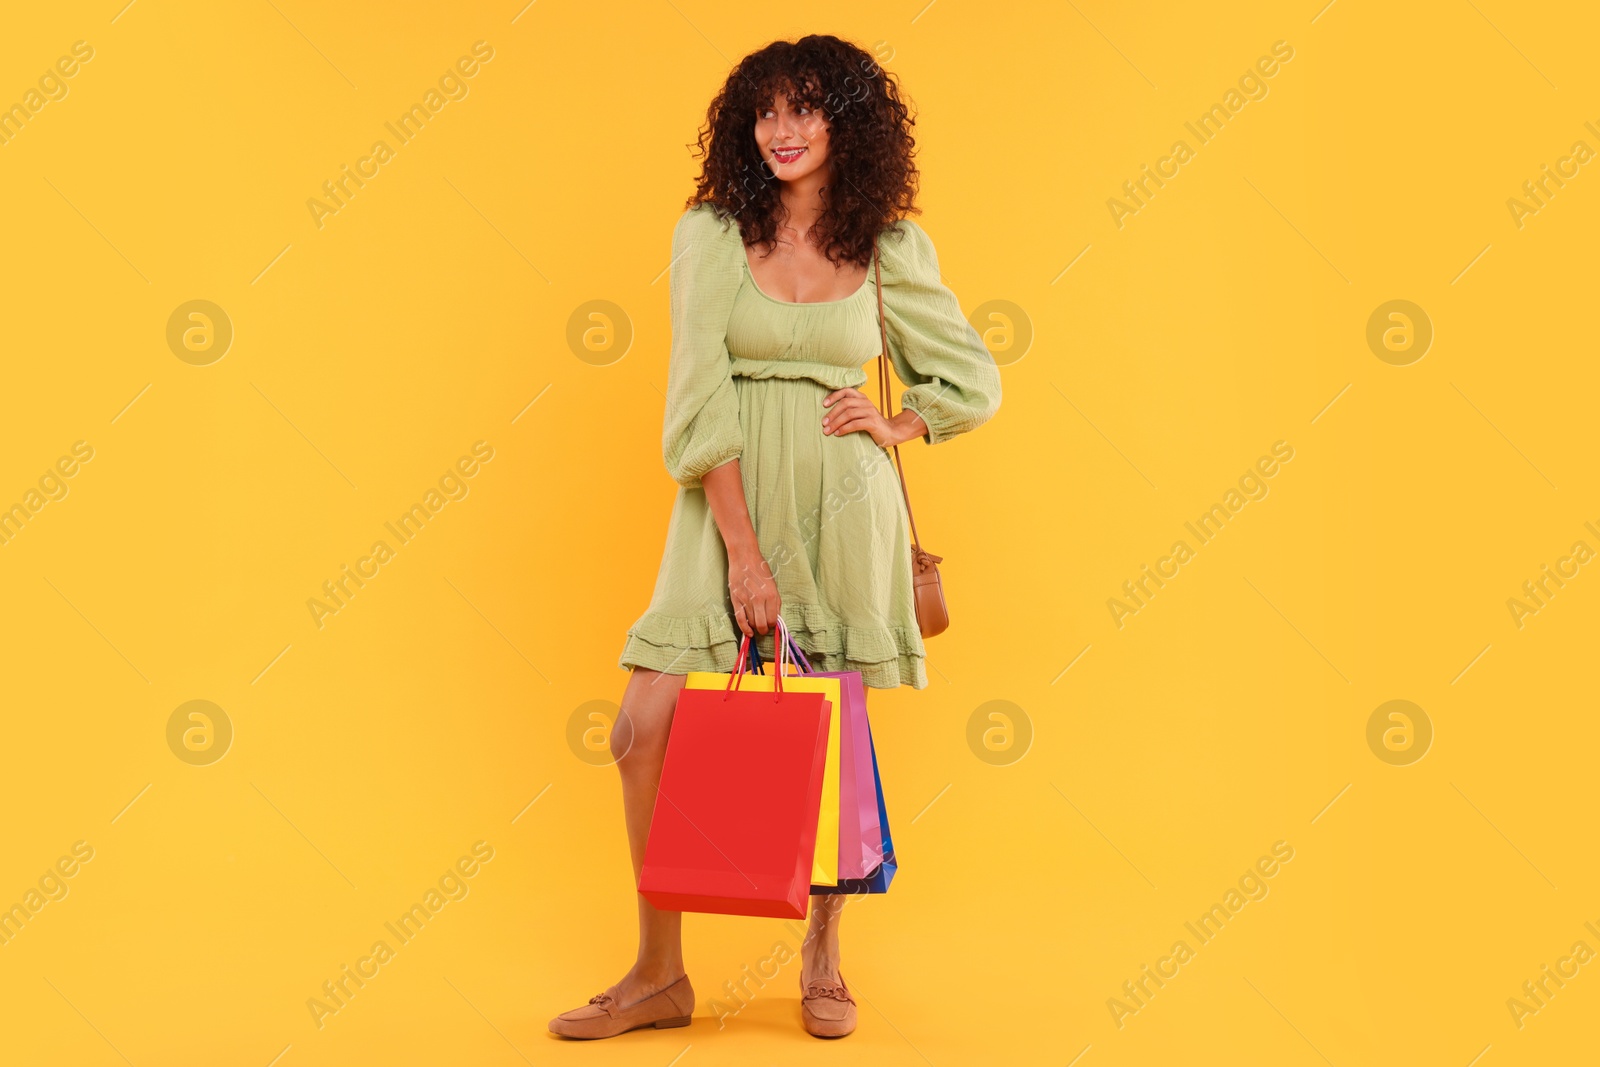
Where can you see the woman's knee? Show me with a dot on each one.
(646, 717)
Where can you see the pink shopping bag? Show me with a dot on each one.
(860, 831)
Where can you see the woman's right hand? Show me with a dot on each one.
(754, 593)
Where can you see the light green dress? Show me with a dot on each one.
(746, 380)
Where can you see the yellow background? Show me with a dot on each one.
(432, 711)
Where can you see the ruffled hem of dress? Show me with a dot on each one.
(886, 656)
(675, 644)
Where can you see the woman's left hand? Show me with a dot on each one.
(849, 411)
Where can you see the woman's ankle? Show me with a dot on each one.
(820, 962)
(655, 974)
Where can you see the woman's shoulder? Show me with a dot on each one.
(907, 252)
(704, 222)
(708, 249)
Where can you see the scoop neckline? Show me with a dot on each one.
(744, 257)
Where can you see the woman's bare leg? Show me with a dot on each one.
(819, 956)
(639, 741)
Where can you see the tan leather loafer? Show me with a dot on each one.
(606, 1016)
(826, 1007)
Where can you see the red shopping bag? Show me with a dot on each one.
(735, 821)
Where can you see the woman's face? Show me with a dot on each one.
(793, 141)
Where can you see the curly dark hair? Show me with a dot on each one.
(869, 145)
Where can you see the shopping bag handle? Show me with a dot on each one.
(798, 655)
(738, 668)
(782, 645)
(745, 647)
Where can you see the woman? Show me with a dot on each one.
(787, 497)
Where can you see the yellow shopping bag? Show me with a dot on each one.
(825, 861)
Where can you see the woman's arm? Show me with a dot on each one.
(701, 437)
(701, 429)
(750, 580)
(953, 383)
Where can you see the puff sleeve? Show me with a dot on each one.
(952, 380)
(701, 428)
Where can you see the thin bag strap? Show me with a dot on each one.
(883, 392)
